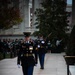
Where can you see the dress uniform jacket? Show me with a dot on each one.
(27, 54)
(41, 46)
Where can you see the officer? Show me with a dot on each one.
(27, 55)
(41, 51)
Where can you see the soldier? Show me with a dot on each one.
(27, 55)
(41, 51)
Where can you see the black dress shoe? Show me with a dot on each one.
(42, 68)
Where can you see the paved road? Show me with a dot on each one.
(54, 65)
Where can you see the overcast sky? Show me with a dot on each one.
(69, 1)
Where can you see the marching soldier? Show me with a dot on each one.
(41, 51)
(27, 55)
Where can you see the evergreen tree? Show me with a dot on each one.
(71, 43)
(52, 17)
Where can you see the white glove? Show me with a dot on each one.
(18, 65)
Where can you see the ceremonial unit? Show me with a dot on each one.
(28, 51)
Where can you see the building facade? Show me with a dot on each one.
(27, 9)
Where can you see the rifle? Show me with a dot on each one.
(48, 35)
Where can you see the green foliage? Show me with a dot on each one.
(52, 17)
(9, 15)
(71, 43)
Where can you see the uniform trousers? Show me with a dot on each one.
(41, 59)
(27, 70)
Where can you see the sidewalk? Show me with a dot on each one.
(54, 65)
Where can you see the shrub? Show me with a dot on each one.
(71, 43)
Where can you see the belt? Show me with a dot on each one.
(28, 55)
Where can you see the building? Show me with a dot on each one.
(69, 10)
(27, 9)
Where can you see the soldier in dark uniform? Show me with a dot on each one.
(27, 55)
(41, 51)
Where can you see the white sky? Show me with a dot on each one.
(69, 1)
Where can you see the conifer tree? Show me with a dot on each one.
(52, 18)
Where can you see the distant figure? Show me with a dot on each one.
(49, 46)
(58, 45)
(27, 55)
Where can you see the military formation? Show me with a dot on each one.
(28, 51)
